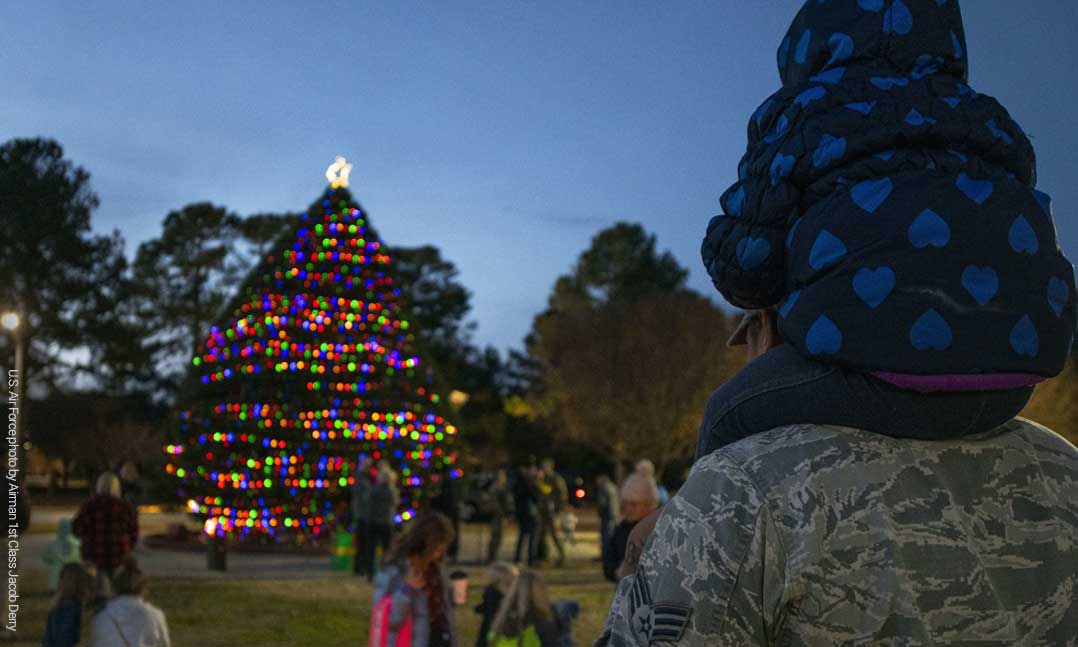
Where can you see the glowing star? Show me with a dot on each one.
(337, 173)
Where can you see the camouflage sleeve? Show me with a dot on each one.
(712, 572)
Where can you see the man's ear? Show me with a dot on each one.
(769, 326)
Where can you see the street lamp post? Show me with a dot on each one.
(11, 321)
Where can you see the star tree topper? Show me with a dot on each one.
(337, 173)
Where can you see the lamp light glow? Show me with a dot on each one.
(9, 320)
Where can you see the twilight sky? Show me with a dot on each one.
(506, 133)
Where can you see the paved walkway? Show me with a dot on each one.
(169, 563)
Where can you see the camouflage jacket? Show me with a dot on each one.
(820, 535)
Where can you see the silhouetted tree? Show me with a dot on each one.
(114, 332)
(438, 302)
(624, 357)
(631, 379)
(94, 431)
(620, 265)
(261, 231)
(184, 278)
(50, 263)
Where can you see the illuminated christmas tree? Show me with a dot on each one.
(313, 369)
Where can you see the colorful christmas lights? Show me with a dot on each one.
(314, 369)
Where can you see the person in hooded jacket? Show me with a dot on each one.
(887, 214)
(63, 550)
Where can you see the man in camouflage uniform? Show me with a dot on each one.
(823, 535)
(554, 499)
(828, 535)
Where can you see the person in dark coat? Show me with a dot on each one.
(526, 508)
(75, 589)
(448, 503)
(382, 506)
(503, 576)
(501, 508)
(606, 501)
(130, 488)
(361, 515)
(107, 526)
(885, 214)
(639, 498)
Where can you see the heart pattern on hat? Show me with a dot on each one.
(931, 332)
(1058, 294)
(982, 283)
(870, 194)
(1024, 338)
(826, 250)
(873, 286)
(829, 150)
(751, 252)
(897, 19)
(1022, 237)
(976, 190)
(928, 228)
(824, 337)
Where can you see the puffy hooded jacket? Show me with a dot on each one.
(63, 550)
(889, 210)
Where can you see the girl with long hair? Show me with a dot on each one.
(413, 578)
(74, 589)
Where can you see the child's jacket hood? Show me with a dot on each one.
(63, 529)
(889, 210)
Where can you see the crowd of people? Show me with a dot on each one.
(534, 496)
(100, 590)
(414, 597)
(413, 594)
(92, 569)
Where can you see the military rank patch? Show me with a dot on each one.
(655, 622)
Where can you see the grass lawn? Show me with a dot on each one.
(318, 612)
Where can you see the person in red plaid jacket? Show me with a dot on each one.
(107, 526)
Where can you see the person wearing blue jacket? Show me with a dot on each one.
(74, 589)
(885, 216)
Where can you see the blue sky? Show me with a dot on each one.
(507, 133)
